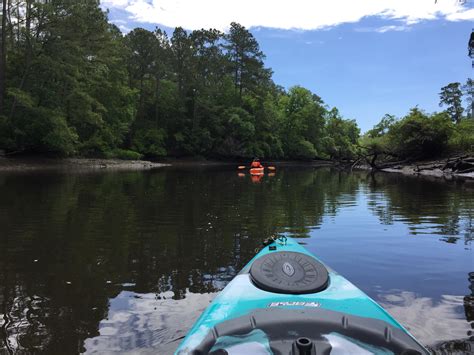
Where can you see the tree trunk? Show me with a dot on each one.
(3, 55)
(157, 102)
(28, 54)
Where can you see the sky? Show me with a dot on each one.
(365, 57)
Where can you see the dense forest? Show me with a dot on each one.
(72, 84)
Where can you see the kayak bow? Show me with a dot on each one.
(285, 301)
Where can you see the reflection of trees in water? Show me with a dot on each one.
(179, 231)
(426, 206)
(170, 230)
(145, 323)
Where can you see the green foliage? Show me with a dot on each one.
(383, 127)
(238, 131)
(341, 136)
(124, 154)
(150, 142)
(419, 135)
(303, 149)
(451, 96)
(67, 91)
(76, 85)
(468, 92)
(303, 123)
(22, 98)
(58, 136)
(374, 145)
(245, 59)
(462, 138)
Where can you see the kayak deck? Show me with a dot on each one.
(243, 312)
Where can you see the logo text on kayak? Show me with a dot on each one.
(294, 304)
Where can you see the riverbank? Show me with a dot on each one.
(448, 169)
(44, 163)
(49, 163)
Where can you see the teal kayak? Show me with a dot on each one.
(286, 301)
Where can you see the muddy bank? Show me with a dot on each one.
(443, 168)
(413, 170)
(184, 162)
(47, 163)
(29, 164)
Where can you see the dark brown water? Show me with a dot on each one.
(124, 262)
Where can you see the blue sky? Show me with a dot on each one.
(367, 58)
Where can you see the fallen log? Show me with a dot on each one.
(470, 170)
(393, 164)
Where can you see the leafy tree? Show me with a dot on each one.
(419, 135)
(303, 123)
(383, 127)
(142, 50)
(451, 96)
(238, 131)
(64, 89)
(341, 136)
(3, 54)
(462, 137)
(76, 85)
(268, 121)
(181, 59)
(468, 91)
(245, 59)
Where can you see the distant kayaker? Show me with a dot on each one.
(256, 163)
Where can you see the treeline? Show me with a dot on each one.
(420, 135)
(75, 85)
(72, 84)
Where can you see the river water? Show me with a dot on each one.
(124, 262)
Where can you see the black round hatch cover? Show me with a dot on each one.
(289, 272)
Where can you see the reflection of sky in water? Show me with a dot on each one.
(429, 321)
(147, 323)
(431, 305)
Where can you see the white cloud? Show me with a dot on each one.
(384, 29)
(124, 29)
(461, 15)
(430, 321)
(284, 14)
(119, 22)
(115, 3)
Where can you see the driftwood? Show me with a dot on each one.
(393, 164)
(465, 171)
(355, 163)
(462, 164)
(459, 165)
(429, 167)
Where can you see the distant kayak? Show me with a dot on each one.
(257, 171)
(286, 301)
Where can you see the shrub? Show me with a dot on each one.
(124, 154)
(419, 135)
(462, 138)
(150, 142)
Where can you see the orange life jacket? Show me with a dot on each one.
(255, 164)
